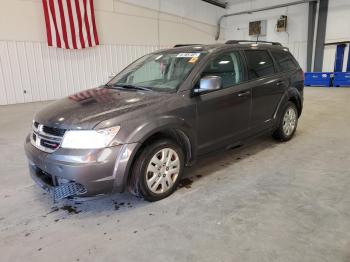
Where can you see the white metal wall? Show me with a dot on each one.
(299, 51)
(329, 58)
(32, 71)
(237, 27)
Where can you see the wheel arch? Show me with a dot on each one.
(177, 133)
(174, 133)
(297, 101)
(292, 94)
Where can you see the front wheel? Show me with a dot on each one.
(288, 123)
(157, 170)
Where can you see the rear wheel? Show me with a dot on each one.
(288, 123)
(157, 170)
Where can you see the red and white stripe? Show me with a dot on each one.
(70, 24)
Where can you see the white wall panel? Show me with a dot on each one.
(32, 71)
(236, 27)
(337, 26)
(3, 94)
(196, 10)
(329, 58)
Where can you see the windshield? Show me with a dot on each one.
(158, 72)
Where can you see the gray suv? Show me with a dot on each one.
(160, 114)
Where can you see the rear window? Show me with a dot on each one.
(259, 63)
(284, 60)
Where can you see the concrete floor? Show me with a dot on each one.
(266, 201)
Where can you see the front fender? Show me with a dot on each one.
(147, 129)
(141, 133)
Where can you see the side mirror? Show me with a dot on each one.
(208, 83)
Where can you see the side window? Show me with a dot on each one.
(259, 63)
(284, 60)
(228, 66)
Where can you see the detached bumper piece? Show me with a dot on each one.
(57, 187)
(67, 190)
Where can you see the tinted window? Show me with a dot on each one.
(284, 60)
(259, 63)
(228, 66)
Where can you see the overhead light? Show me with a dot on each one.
(224, 62)
(262, 63)
(216, 3)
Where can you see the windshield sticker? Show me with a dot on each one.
(188, 55)
(193, 60)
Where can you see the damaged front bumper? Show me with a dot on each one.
(80, 172)
(50, 184)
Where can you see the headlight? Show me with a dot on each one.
(89, 139)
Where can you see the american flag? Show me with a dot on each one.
(70, 24)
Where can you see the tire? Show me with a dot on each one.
(153, 176)
(287, 123)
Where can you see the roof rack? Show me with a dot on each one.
(181, 45)
(230, 42)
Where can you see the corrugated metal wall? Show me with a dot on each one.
(31, 71)
(298, 50)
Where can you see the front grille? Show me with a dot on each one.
(45, 177)
(54, 131)
(48, 144)
(46, 138)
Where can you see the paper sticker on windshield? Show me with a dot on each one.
(188, 55)
(193, 60)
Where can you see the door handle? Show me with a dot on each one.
(242, 94)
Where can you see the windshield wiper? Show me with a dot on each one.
(128, 86)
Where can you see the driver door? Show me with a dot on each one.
(223, 115)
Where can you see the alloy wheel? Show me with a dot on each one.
(289, 121)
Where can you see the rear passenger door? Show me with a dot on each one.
(267, 87)
(288, 68)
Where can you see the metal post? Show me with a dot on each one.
(310, 34)
(321, 35)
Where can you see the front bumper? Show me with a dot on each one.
(80, 172)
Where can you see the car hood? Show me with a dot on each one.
(84, 110)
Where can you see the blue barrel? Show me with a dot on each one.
(317, 79)
(341, 79)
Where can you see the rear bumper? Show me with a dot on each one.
(89, 172)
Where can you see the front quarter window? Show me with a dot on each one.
(162, 71)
